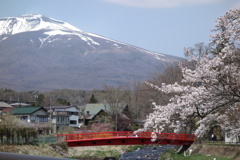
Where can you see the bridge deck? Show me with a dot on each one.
(124, 138)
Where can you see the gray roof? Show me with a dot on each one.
(4, 105)
(20, 104)
(95, 108)
(57, 107)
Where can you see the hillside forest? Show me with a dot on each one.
(138, 96)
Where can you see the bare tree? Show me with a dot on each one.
(116, 98)
(198, 51)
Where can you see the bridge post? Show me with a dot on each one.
(181, 149)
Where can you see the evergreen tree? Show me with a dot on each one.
(63, 101)
(93, 99)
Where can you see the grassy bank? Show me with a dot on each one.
(219, 150)
(100, 152)
(206, 151)
(62, 151)
(170, 155)
(199, 151)
(58, 150)
(97, 155)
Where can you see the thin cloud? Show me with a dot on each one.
(160, 3)
(236, 5)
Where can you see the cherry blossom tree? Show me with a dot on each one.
(208, 95)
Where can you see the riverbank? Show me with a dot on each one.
(205, 152)
(98, 152)
(61, 150)
(228, 151)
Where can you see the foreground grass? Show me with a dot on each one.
(101, 153)
(133, 148)
(170, 155)
(97, 154)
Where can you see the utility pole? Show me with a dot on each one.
(50, 111)
(116, 126)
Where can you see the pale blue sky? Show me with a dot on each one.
(164, 26)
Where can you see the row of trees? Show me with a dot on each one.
(208, 96)
(13, 131)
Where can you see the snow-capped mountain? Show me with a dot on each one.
(41, 52)
(26, 23)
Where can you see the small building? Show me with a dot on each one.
(4, 105)
(98, 112)
(63, 116)
(34, 116)
(92, 111)
(231, 138)
(6, 110)
(31, 114)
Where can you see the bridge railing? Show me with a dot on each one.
(122, 134)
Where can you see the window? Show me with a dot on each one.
(62, 113)
(73, 113)
(32, 118)
(43, 119)
(73, 122)
(25, 118)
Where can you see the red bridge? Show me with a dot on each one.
(124, 138)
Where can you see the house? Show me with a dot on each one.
(98, 112)
(33, 116)
(92, 111)
(231, 138)
(63, 116)
(4, 105)
(6, 110)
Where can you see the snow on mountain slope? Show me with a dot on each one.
(26, 23)
(40, 52)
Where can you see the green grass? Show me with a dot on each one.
(133, 148)
(99, 154)
(170, 155)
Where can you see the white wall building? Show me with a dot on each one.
(63, 116)
(232, 138)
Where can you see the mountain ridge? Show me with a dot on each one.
(53, 56)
